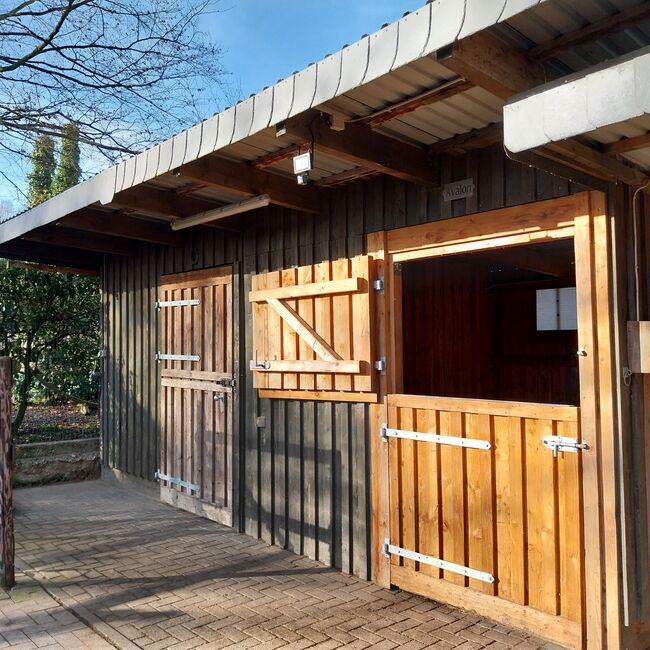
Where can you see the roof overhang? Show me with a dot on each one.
(580, 105)
(417, 35)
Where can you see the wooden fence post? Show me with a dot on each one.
(7, 576)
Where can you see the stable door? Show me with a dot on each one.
(197, 389)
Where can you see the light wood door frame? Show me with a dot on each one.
(206, 382)
(584, 218)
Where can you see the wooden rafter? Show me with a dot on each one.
(573, 153)
(625, 18)
(464, 142)
(345, 177)
(438, 94)
(627, 144)
(216, 171)
(277, 156)
(363, 147)
(492, 64)
(121, 225)
(31, 251)
(82, 241)
(167, 204)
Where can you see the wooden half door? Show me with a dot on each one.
(197, 390)
(481, 506)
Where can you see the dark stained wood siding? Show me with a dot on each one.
(305, 467)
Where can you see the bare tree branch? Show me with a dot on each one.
(129, 73)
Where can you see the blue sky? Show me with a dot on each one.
(267, 40)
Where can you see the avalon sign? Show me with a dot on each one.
(458, 190)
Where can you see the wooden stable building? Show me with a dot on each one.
(425, 364)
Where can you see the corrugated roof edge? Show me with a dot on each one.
(414, 36)
(600, 96)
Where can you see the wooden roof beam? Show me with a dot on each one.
(277, 156)
(361, 146)
(588, 33)
(29, 251)
(121, 225)
(438, 94)
(627, 144)
(57, 236)
(488, 62)
(216, 171)
(167, 204)
(492, 64)
(476, 139)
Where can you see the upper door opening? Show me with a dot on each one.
(498, 324)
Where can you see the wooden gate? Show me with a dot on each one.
(196, 369)
(489, 507)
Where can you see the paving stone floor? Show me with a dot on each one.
(31, 618)
(145, 575)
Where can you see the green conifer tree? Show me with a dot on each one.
(68, 171)
(43, 165)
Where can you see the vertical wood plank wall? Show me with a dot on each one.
(305, 468)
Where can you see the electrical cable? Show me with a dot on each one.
(635, 237)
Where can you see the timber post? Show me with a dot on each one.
(7, 575)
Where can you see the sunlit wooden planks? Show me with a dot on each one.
(313, 331)
(512, 511)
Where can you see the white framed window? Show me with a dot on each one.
(557, 309)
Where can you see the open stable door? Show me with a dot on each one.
(480, 500)
(196, 370)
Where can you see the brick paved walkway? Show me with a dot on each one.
(145, 575)
(31, 618)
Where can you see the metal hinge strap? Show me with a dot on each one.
(159, 476)
(390, 549)
(387, 432)
(177, 357)
(193, 302)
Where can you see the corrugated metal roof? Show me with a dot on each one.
(596, 99)
(413, 37)
(395, 63)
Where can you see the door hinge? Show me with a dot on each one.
(228, 382)
(563, 443)
(378, 285)
(177, 357)
(380, 364)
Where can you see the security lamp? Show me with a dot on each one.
(302, 164)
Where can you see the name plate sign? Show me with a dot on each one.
(458, 190)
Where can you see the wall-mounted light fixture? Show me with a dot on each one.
(302, 164)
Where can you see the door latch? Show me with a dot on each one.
(228, 382)
(563, 443)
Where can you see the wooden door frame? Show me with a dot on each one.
(582, 217)
(190, 503)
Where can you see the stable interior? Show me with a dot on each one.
(497, 324)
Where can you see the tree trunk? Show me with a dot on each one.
(24, 386)
(7, 552)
